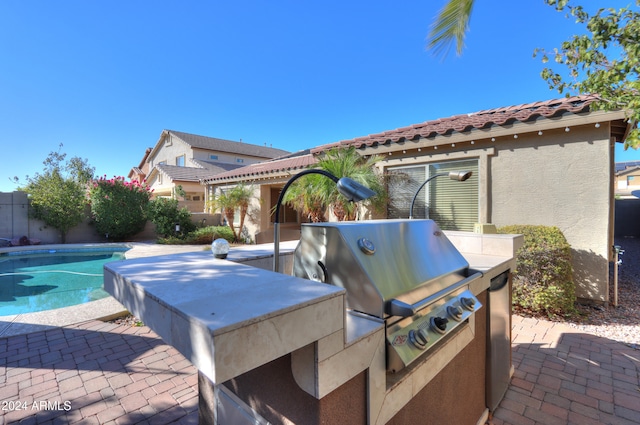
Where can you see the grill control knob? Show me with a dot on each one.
(366, 246)
(468, 303)
(439, 324)
(419, 338)
(455, 312)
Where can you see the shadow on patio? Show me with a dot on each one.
(120, 374)
(96, 372)
(563, 376)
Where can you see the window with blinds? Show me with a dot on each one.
(450, 203)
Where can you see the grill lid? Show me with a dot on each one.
(386, 266)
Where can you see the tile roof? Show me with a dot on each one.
(467, 122)
(621, 166)
(215, 167)
(528, 112)
(264, 169)
(628, 170)
(189, 174)
(223, 145)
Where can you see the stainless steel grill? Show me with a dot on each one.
(405, 272)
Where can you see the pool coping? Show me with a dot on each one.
(104, 309)
(18, 324)
(71, 247)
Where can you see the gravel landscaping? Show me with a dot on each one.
(621, 323)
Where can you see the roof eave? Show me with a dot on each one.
(157, 146)
(490, 132)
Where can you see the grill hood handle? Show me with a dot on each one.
(396, 307)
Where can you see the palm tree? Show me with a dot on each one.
(451, 25)
(227, 205)
(242, 195)
(313, 194)
(305, 198)
(239, 197)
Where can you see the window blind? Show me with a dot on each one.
(454, 204)
(402, 185)
(451, 204)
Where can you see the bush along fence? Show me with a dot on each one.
(16, 222)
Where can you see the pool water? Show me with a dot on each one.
(48, 280)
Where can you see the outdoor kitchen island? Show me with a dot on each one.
(280, 349)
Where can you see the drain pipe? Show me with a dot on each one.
(617, 251)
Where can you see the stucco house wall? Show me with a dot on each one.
(168, 150)
(561, 181)
(548, 163)
(556, 178)
(176, 148)
(556, 170)
(230, 158)
(161, 185)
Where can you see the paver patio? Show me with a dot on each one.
(102, 373)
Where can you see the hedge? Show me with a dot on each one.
(201, 236)
(543, 279)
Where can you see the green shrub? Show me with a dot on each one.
(57, 196)
(118, 207)
(543, 279)
(201, 236)
(206, 235)
(165, 214)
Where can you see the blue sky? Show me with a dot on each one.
(104, 78)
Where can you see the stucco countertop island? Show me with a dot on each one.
(226, 317)
(233, 317)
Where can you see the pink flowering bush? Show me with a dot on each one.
(118, 207)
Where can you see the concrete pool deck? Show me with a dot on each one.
(104, 309)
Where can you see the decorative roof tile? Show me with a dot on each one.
(188, 174)
(443, 126)
(241, 148)
(467, 122)
(215, 167)
(264, 169)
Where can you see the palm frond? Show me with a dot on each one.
(451, 26)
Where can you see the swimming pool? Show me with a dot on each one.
(39, 280)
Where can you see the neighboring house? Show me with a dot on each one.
(627, 180)
(183, 159)
(268, 178)
(546, 163)
(140, 172)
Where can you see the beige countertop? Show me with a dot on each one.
(224, 316)
(230, 316)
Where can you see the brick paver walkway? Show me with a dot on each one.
(563, 376)
(101, 373)
(95, 373)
